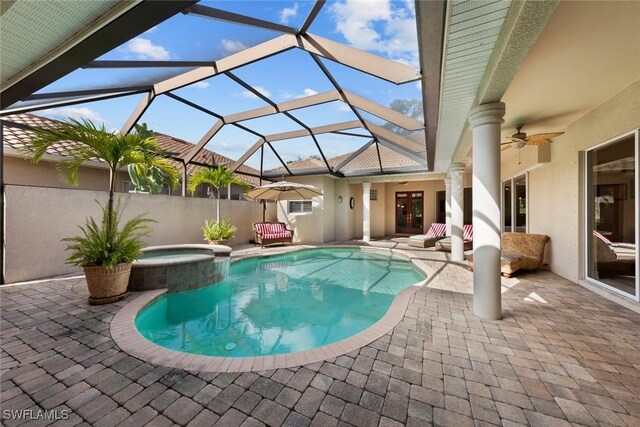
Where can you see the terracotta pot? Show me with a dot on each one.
(217, 242)
(107, 285)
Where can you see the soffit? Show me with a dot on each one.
(472, 30)
(588, 52)
(32, 30)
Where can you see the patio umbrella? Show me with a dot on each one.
(283, 190)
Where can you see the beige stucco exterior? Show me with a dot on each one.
(37, 218)
(556, 189)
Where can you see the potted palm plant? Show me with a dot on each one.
(104, 249)
(217, 177)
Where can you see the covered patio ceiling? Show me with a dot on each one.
(255, 47)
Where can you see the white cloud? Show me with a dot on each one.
(200, 85)
(145, 49)
(287, 13)
(309, 92)
(248, 94)
(151, 30)
(419, 84)
(77, 113)
(379, 26)
(232, 46)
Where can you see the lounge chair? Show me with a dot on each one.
(467, 237)
(436, 232)
(268, 233)
(613, 258)
(520, 251)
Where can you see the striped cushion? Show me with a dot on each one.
(268, 230)
(467, 232)
(437, 229)
(286, 234)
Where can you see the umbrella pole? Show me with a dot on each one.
(264, 210)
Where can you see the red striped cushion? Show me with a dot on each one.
(277, 235)
(269, 229)
(437, 230)
(467, 232)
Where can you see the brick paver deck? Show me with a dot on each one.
(562, 355)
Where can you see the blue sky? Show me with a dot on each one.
(383, 27)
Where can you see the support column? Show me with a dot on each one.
(366, 211)
(456, 172)
(447, 205)
(485, 121)
(184, 179)
(229, 191)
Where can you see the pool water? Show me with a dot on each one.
(280, 304)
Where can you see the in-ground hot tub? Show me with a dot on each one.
(179, 267)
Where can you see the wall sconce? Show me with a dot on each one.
(339, 199)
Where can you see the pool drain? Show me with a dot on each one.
(230, 346)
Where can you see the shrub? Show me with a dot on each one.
(215, 231)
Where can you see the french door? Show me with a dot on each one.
(409, 212)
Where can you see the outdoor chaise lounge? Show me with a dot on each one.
(436, 232)
(467, 237)
(520, 251)
(268, 233)
(613, 257)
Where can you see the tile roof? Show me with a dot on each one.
(16, 137)
(367, 160)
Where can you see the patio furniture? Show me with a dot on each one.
(613, 258)
(520, 251)
(436, 232)
(467, 237)
(268, 233)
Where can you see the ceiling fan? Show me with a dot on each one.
(520, 139)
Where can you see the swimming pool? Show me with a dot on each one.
(280, 304)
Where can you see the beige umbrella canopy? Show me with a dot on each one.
(284, 190)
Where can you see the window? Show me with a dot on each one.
(611, 215)
(514, 204)
(300, 206)
(373, 194)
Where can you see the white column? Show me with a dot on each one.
(229, 191)
(485, 121)
(366, 211)
(456, 172)
(447, 204)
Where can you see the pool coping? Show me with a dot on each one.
(126, 335)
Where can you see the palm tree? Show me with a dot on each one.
(96, 143)
(217, 177)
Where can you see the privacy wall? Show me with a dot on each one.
(38, 218)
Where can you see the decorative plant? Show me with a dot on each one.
(104, 249)
(215, 231)
(218, 177)
(150, 179)
(106, 244)
(139, 147)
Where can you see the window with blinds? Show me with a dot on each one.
(300, 206)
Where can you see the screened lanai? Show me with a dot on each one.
(264, 83)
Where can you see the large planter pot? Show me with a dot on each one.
(107, 285)
(218, 242)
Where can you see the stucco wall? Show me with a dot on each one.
(21, 171)
(555, 189)
(38, 218)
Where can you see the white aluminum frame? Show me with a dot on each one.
(512, 179)
(587, 231)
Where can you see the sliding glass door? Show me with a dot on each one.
(612, 209)
(514, 204)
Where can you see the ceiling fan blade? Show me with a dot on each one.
(539, 142)
(505, 146)
(544, 136)
(513, 139)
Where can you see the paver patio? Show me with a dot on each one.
(561, 355)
